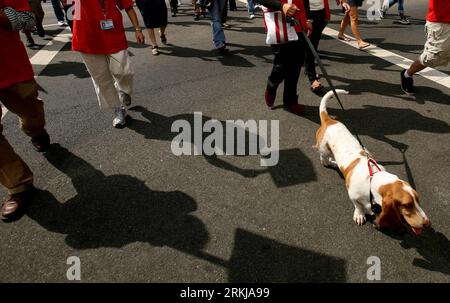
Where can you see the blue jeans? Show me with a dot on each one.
(215, 13)
(250, 7)
(401, 8)
(58, 10)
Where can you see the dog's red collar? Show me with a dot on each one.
(371, 163)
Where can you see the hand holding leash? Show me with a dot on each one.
(290, 9)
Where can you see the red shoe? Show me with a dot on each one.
(270, 97)
(297, 109)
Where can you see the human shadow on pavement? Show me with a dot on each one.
(344, 58)
(64, 68)
(378, 87)
(116, 210)
(390, 46)
(433, 246)
(380, 122)
(293, 167)
(230, 59)
(257, 259)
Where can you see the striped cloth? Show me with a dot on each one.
(20, 20)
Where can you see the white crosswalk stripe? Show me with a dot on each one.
(428, 73)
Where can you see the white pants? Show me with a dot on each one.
(110, 74)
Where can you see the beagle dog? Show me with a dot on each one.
(363, 177)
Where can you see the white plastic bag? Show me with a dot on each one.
(278, 30)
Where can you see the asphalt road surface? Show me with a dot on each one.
(131, 210)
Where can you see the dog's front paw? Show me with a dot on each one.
(359, 217)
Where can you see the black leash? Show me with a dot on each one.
(376, 208)
(293, 21)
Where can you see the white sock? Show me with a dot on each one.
(406, 74)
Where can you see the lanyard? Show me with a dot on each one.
(103, 8)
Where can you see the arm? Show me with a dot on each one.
(134, 19)
(344, 4)
(16, 20)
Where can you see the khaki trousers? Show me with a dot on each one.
(437, 47)
(22, 100)
(111, 74)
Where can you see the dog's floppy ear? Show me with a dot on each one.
(390, 215)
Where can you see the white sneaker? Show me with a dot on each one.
(404, 21)
(121, 116)
(62, 23)
(381, 13)
(252, 16)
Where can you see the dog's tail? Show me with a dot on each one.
(323, 103)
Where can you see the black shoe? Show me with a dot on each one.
(30, 42)
(223, 50)
(407, 84)
(41, 142)
(196, 17)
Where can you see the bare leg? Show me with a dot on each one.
(151, 33)
(415, 67)
(345, 21)
(354, 25)
(162, 31)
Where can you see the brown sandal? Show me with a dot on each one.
(344, 38)
(363, 45)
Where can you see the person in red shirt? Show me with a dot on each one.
(288, 57)
(437, 47)
(19, 94)
(99, 35)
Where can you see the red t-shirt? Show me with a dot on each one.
(439, 11)
(88, 37)
(15, 67)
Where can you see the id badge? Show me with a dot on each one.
(107, 25)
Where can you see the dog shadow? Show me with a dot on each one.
(433, 246)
